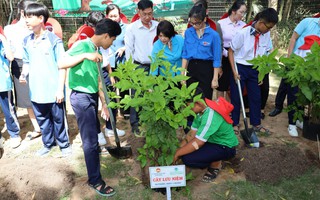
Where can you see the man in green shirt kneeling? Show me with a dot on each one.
(211, 138)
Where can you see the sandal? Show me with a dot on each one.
(261, 129)
(210, 175)
(33, 135)
(104, 190)
(236, 129)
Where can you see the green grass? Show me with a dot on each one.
(112, 167)
(305, 187)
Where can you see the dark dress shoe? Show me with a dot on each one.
(275, 112)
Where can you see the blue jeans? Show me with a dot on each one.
(85, 107)
(9, 111)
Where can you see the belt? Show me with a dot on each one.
(139, 63)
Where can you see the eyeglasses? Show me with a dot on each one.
(268, 27)
(195, 23)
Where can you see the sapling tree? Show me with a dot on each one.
(298, 71)
(161, 102)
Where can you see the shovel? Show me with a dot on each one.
(117, 151)
(248, 135)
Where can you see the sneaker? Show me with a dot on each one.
(299, 124)
(101, 139)
(15, 142)
(292, 129)
(65, 152)
(42, 152)
(110, 133)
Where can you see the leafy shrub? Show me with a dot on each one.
(298, 71)
(161, 104)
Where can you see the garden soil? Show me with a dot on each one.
(25, 176)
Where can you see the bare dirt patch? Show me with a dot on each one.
(37, 178)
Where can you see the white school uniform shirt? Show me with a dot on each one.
(302, 53)
(139, 41)
(15, 34)
(106, 53)
(243, 45)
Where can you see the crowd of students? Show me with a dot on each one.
(213, 54)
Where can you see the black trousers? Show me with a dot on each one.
(281, 94)
(201, 71)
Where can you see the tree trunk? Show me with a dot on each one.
(287, 9)
(281, 10)
(5, 12)
(249, 11)
(274, 4)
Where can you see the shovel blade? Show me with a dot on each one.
(246, 135)
(250, 138)
(120, 152)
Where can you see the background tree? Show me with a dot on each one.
(287, 10)
(5, 12)
(249, 10)
(274, 34)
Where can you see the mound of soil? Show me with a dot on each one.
(272, 163)
(39, 178)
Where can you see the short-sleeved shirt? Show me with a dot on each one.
(308, 26)
(84, 76)
(212, 128)
(208, 47)
(243, 45)
(173, 55)
(42, 56)
(15, 34)
(5, 79)
(229, 30)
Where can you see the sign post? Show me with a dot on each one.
(167, 177)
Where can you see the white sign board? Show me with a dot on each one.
(167, 176)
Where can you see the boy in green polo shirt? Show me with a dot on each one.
(211, 138)
(85, 83)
